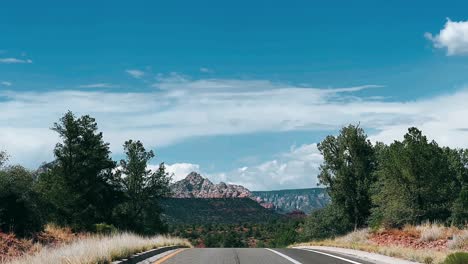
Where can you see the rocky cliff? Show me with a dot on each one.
(305, 200)
(195, 186)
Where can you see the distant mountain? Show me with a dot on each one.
(215, 210)
(306, 200)
(195, 186)
(283, 201)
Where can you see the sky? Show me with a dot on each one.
(240, 91)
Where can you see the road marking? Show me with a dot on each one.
(284, 256)
(161, 260)
(330, 255)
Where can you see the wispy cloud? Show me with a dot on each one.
(14, 61)
(206, 70)
(296, 168)
(453, 37)
(185, 108)
(98, 85)
(5, 83)
(138, 74)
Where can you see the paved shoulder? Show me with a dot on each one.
(319, 257)
(226, 256)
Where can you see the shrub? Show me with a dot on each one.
(19, 206)
(326, 223)
(104, 228)
(457, 258)
(459, 241)
(431, 232)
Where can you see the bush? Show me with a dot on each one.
(459, 241)
(431, 232)
(104, 228)
(19, 204)
(457, 258)
(326, 223)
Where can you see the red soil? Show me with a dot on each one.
(407, 239)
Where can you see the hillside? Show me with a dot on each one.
(215, 210)
(305, 200)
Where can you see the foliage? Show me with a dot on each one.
(3, 157)
(81, 187)
(275, 233)
(415, 182)
(19, 206)
(104, 228)
(215, 210)
(327, 222)
(142, 187)
(457, 258)
(347, 172)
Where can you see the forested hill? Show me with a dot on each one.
(215, 210)
(305, 200)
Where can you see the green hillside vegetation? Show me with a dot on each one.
(276, 233)
(215, 210)
(83, 188)
(306, 200)
(388, 186)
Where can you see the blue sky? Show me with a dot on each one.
(240, 91)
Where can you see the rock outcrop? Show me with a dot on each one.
(195, 186)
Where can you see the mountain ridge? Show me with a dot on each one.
(283, 201)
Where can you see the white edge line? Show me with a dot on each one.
(284, 256)
(330, 255)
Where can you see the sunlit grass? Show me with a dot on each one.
(99, 249)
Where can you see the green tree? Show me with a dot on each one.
(20, 210)
(3, 158)
(325, 223)
(80, 186)
(415, 182)
(348, 172)
(142, 187)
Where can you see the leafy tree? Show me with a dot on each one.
(458, 162)
(3, 158)
(347, 172)
(19, 208)
(415, 182)
(80, 187)
(142, 187)
(327, 222)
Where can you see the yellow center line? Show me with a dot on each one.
(161, 260)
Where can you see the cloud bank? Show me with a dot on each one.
(180, 108)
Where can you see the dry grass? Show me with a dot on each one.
(422, 256)
(431, 231)
(429, 238)
(459, 241)
(98, 249)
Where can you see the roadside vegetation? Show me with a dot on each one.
(97, 249)
(82, 190)
(276, 233)
(399, 188)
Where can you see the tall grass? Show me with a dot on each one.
(431, 231)
(98, 249)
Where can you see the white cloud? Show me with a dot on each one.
(14, 60)
(183, 108)
(453, 37)
(297, 168)
(136, 73)
(97, 85)
(181, 170)
(206, 70)
(5, 83)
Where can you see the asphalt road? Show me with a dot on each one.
(258, 256)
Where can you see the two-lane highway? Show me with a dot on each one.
(256, 256)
